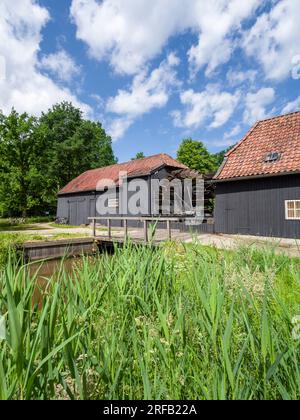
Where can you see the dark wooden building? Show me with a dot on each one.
(258, 184)
(78, 200)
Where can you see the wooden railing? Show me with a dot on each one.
(144, 220)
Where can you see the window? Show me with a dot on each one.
(292, 210)
(272, 157)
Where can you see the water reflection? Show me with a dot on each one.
(44, 272)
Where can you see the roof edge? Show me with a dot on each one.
(243, 139)
(255, 126)
(280, 116)
(164, 163)
(257, 176)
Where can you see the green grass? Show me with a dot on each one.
(58, 226)
(172, 323)
(58, 236)
(10, 241)
(26, 224)
(20, 228)
(99, 228)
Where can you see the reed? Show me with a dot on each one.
(173, 323)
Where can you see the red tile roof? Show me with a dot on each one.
(95, 179)
(247, 158)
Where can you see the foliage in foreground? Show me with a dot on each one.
(187, 323)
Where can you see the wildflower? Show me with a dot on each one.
(139, 321)
(2, 328)
(181, 380)
(165, 342)
(82, 357)
(170, 320)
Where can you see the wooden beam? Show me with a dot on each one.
(94, 228)
(141, 219)
(126, 229)
(146, 238)
(109, 227)
(169, 230)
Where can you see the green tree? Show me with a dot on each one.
(39, 156)
(75, 145)
(195, 155)
(20, 177)
(139, 155)
(219, 157)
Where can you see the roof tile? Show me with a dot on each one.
(247, 158)
(96, 179)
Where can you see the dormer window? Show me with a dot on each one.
(272, 157)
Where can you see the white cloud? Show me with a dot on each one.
(234, 132)
(61, 65)
(118, 127)
(2, 69)
(127, 33)
(130, 33)
(224, 143)
(211, 106)
(292, 106)
(274, 39)
(218, 21)
(256, 104)
(296, 67)
(146, 93)
(236, 78)
(24, 87)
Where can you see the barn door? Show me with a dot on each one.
(78, 212)
(92, 208)
(82, 212)
(237, 214)
(73, 213)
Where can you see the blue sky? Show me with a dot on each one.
(154, 72)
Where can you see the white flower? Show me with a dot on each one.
(2, 328)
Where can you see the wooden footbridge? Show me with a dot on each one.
(150, 234)
(145, 221)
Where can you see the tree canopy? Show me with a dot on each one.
(39, 156)
(221, 155)
(139, 155)
(194, 154)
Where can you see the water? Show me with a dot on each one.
(45, 270)
(50, 269)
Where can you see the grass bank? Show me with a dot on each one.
(173, 323)
(10, 241)
(21, 224)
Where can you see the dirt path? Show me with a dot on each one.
(290, 247)
(45, 229)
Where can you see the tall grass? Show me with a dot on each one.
(9, 243)
(173, 323)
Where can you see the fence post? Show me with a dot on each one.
(146, 231)
(94, 228)
(169, 230)
(109, 228)
(126, 229)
